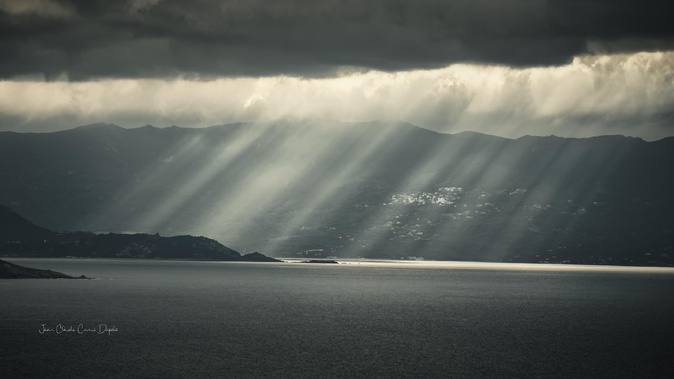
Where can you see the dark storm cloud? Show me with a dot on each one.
(164, 38)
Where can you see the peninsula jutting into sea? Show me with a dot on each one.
(21, 238)
(12, 271)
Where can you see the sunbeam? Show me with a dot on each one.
(200, 176)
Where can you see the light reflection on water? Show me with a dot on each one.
(356, 319)
(488, 265)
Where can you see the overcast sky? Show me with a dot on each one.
(504, 67)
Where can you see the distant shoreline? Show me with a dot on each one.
(397, 262)
(490, 265)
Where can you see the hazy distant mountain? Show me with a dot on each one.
(366, 189)
(24, 239)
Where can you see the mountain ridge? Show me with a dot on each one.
(112, 127)
(311, 187)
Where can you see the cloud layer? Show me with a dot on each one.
(630, 94)
(86, 39)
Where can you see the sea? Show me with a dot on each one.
(354, 319)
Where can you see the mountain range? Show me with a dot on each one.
(378, 190)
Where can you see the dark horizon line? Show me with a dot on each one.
(288, 120)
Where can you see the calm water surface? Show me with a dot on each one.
(206, 319)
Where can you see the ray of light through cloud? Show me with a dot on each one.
(138, 192)
(276, 171)
(201, 176)
(333, 187)
(581, 98)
